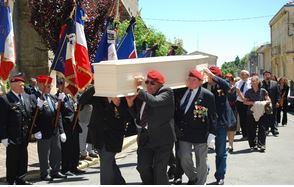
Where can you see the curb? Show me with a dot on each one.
(35, 174)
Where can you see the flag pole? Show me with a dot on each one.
(42, 96)
(59, 101)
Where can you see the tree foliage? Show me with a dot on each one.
(234, 67)
(152, 37)
(47, 17)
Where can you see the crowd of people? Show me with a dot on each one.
(196, 118)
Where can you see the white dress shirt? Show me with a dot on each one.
(193, 94)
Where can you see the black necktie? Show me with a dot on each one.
(144, 117)
(185, 103)
(20, 99)
(242, 87)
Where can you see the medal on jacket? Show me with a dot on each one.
(200, 112)
(116, 113)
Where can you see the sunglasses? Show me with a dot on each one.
(150, 82)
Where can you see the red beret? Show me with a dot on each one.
(215, 70)
(156, 75)
(17, 78)
(197, 74)
(43, 79)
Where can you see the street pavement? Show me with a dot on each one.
(274, 167)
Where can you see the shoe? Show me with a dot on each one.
(177, 181)
(22, 182)
(191, 182)
(77, 171)
(238, 133)
(86, 158)
(230, 149)
(255, 148)
(93, 155)
(58, 175)
(262, 149)
(284, 124)
(275, 133)
(46, 178)
(170, 173)
(220, 182)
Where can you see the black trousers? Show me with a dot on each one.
(109, 170)
(70, 152)
(253, 125)
(283, 109)
(152, 163)
(16, 162)
(175, 163)
(242, 110)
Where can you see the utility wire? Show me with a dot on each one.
(207, 20)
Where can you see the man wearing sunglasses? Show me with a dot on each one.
(195, 119)
(153, 111)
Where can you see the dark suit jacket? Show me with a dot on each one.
(160, 115)
(68, 113)
(192, 129)
(45, 119)
(273, 91)
(225, 114)
(15, 120)
(108, 122)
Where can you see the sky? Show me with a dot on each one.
(225, 28)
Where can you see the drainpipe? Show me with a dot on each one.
(289, 24)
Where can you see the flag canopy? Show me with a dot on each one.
(71, 58)
(127, 47)
(7, 47)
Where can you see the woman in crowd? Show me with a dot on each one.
(232, 96)
(255, 117)
(283, 103)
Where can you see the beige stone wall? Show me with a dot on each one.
(282, 40)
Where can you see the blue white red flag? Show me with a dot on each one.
(7, 47)
(127, 47)
(106, 47)
(72, 58)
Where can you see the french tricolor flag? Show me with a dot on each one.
(71, 58)
(7, 47)
(127, 47)
(83, 67)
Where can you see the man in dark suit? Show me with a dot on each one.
(274, 93)
(153, 111)
(106, 132)
(225, 118)
(48, 130)
(16, 110)
(196, 122)
(70, 149)
(32, 87)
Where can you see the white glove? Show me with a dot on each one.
(61, 96)
(40, 102)
(38, 135)
(63, 137)
(5, 142)
(211, 141)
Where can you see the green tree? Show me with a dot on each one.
(151, 36)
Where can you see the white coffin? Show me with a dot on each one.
(115, 78)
